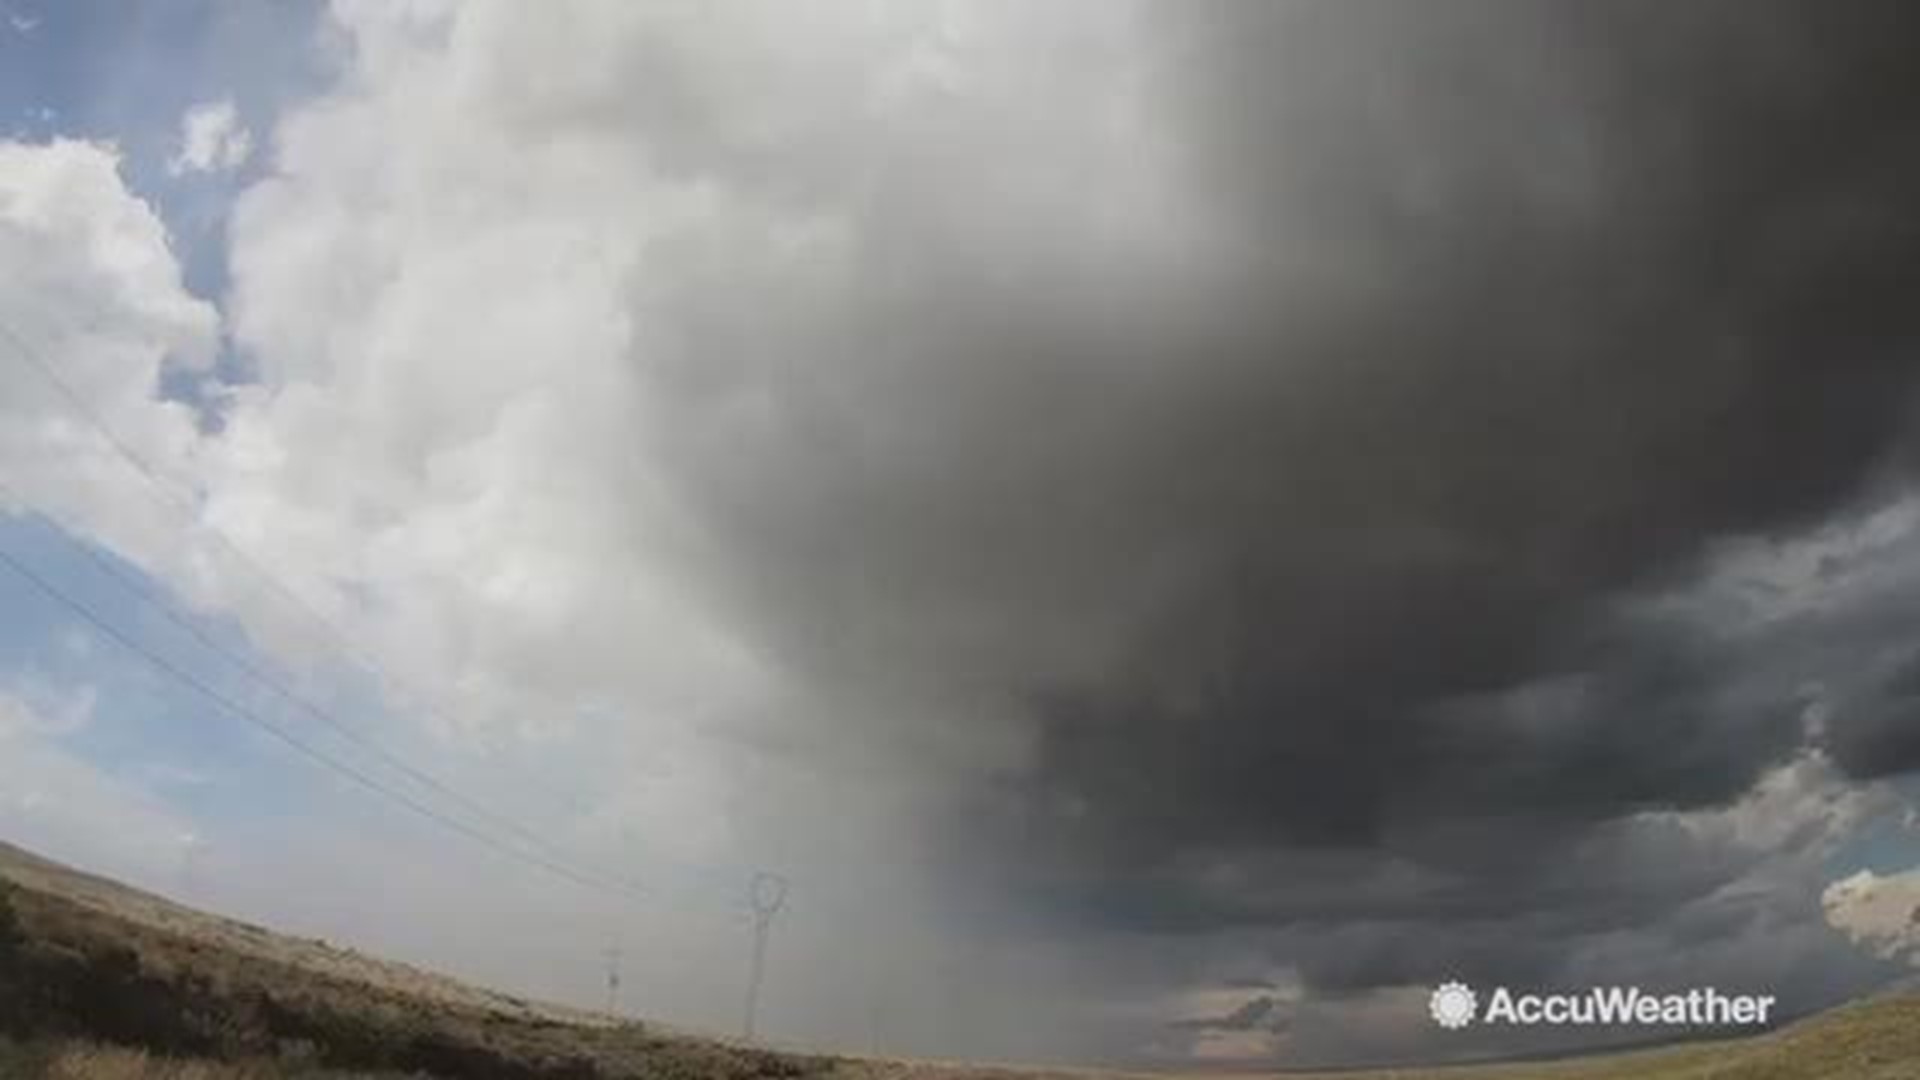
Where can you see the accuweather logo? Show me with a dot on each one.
(1454, 1005)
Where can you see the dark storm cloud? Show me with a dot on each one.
(1652, 289)
(1310, 569)
(1877, 732)
(1262, 1013)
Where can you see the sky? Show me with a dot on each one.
(1173, 528)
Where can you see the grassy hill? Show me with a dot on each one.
(87, 961)
(102, 982)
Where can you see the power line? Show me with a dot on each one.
(242, 712)
(766, 894)
(338, 639)
(258, 672)
(171, 491)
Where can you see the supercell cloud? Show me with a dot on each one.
(1314, 497)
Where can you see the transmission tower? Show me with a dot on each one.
(768, 894)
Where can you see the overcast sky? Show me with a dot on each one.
(1176, 527)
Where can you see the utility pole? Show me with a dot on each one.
(767, 895)
(190, 848)
(613, 979)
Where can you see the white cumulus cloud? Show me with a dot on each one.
(90, 292)
(1878, 912)
(212, 139)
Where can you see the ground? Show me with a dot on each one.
(102, 982)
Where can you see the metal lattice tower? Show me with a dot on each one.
(767, 895)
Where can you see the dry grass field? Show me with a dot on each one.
(87, 961)
(1876, 1040)
(77, 1060)
(102, 982)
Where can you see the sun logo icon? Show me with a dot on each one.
(1452, 1005)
